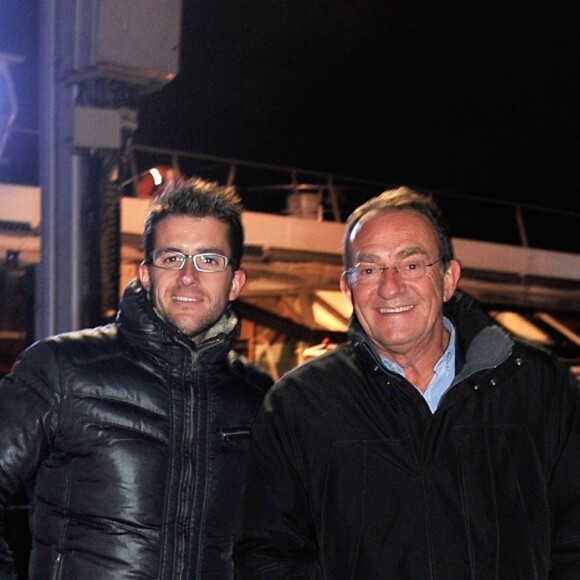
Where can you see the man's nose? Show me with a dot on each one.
(188, 272)
(390, 281)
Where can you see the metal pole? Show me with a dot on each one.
(61, 176)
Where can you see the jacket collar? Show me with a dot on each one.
(480, 341)
(141, 325)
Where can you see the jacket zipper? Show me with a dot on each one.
(228, 434)
(56, 568)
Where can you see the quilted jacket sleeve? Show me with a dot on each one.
(25, 407)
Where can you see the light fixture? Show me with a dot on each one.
(151, 182)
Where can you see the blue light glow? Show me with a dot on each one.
(8, 99)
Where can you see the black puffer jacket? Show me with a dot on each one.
(353, 478)
(131, 443)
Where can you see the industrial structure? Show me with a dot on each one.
(294, 226)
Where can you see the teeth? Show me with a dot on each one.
(394, 310)
(183, 299)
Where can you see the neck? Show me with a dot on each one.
(419, 364)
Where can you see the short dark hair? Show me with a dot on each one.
(196, 197)
(398, 200)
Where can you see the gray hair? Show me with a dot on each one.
(397, 200)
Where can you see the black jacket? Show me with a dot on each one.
(131, 443)
(351, 474)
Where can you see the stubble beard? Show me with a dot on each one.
(195, 331)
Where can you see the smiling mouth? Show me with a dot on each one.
(184, 299)
(395, 310)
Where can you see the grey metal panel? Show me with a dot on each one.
(137, 41)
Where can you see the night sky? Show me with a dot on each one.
(473, 98)
(477, 98)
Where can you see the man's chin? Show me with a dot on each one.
(196, 334)
(192, 329)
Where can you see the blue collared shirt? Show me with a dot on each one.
(444, 371)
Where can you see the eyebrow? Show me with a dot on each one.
(401, 255)
(412, 251)
(202, 251)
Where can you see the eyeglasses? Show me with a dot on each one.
(408, 269)
(174, 260)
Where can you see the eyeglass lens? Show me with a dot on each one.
(204, 262)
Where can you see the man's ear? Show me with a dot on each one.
(144, 275)
(345, 286)
(451, 279)
(237, 284)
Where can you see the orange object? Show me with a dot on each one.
(151, 183)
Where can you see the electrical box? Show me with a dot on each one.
(136, 41)
(97, 128)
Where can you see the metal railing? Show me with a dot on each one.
(285, 190)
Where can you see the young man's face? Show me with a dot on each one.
(190, 300)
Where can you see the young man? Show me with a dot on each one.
(131, 438)
(431, 445)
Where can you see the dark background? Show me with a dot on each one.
(480, 98)
(475, 98)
